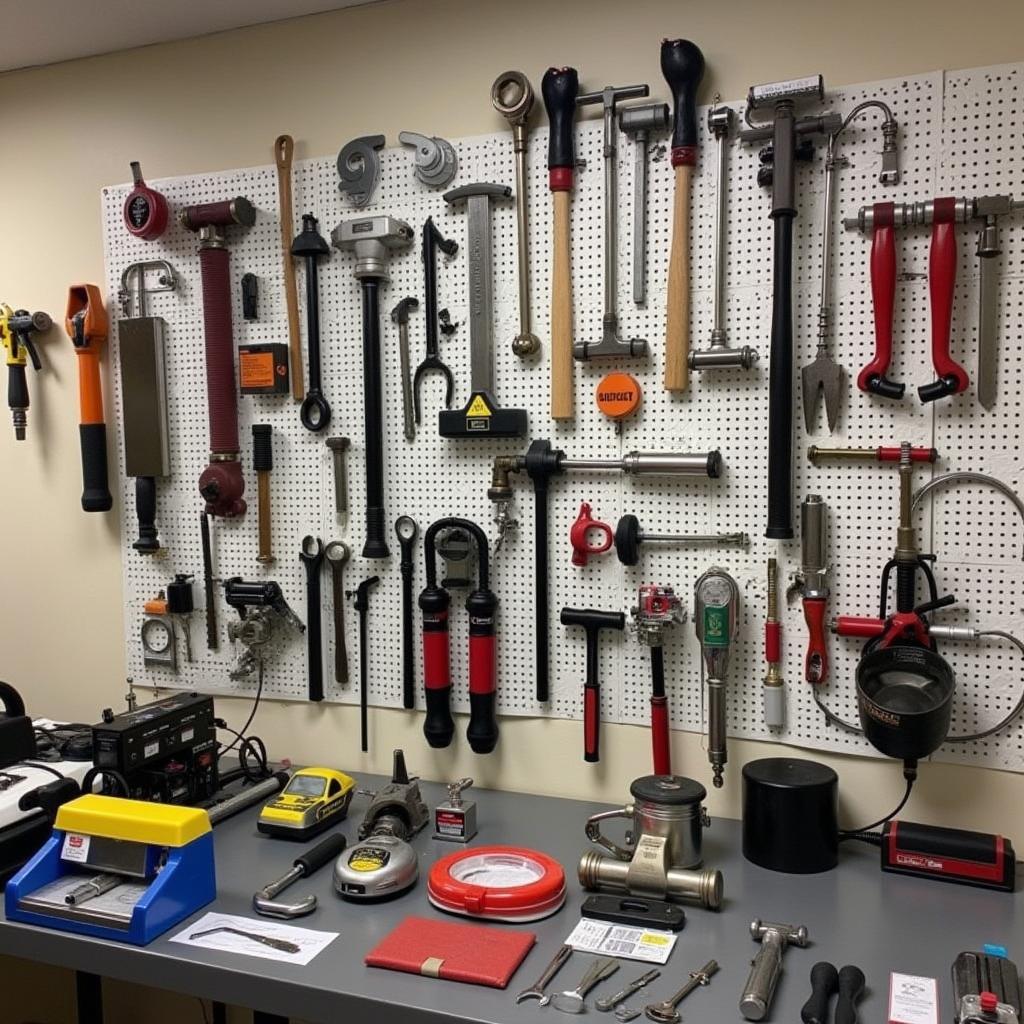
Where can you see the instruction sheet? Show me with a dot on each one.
(269, 940)
(645, 944)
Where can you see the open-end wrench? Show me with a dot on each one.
(407, 531)
(337, 554)
(400, 316)
(536, 990)
(572, 1001)
(610, 1002)
(312, 556)
(432, 241)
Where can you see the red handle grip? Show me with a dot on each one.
(883, 294)
(591, 723)
(857, 625)
(816, 661)
(660, 745)
(579, 536)
(482, 655)
(437, 672)
(916, 454)
(773, 641)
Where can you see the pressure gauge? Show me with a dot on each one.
(158, 648)
(716, 604)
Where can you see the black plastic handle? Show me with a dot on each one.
(145, 512)
(17, 387)
(559, 88)
(262, 447)
(95, 493)
(824, 985)
(780, 388)
(851, 988)
(682, 64)
(438, 726)
(324, 852)
(482, 731)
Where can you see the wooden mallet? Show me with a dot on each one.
(682, 64)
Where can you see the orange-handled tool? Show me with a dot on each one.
(86, 324)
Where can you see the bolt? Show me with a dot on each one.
(628, 539)
(338, 446)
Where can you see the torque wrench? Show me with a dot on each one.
(312, 247)
(559, 88)
(265, 901)
(337, 554)
(145, 209)
(362, 606)
(611, 344)
(432, 241)
(767, 965)
(774, 691)
(400, 316)
(338, 447)
(263, 464)
(824, 985)
(16, 329)
(86, 324)
(716, 617)
(541, 462)
(536, 990)
(512, 96)
(212, 641)
(592, 622)
(718, 354)
(638, 123)
(312, 557)
(372, 239)
(284, 147)
(481, 604)
(221, 484)
(682, 64)
(406, 530)
(665, 1012)
(482, 414)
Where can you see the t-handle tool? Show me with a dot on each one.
(629, 538)
(592, 622)
(432, 241)
(284, 148)
(481, 414)
(716, 618)
(638, 123)
(312, 557)
(682, 64)
(16, 329)
(767, 965)
(718, 354)
(265, 901)
(406, 530)
(665, 1012)
(611, 344)
(337, 554)
(512, 96)
(559, 88)
(536, 990)
(312, 247)
(221, 484)
(572, 1000)
(400, 316)
(362, 606)
(263, 464)
(86, 324)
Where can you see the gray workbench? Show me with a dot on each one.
(855, 914)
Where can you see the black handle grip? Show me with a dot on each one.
(324, 852)
(17, 387)
(145, 512)
(559, 88)
(482, 731)
(314, 655)
(262, 448)
(851, 988)
(95, 494)
(439, 726)
(780, 388)
(824, 984)
(682, 64)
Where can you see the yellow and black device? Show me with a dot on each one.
(16, 330)
(314, 800)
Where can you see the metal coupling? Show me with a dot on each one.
(598, 872)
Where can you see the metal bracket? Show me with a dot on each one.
(436, 162)
(359, 168)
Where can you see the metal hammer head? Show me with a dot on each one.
(639, 122)
(788, 934)
(371, 238)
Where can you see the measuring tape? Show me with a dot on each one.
(501, 883)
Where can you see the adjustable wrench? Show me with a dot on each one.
(337, 554)
(432, 241)
(400, 316)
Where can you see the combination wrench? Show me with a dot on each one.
(400, 316)
(432, 241)
(337, 554)
(536, 990)
(312, 556)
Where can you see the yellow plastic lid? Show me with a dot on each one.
(137, 821)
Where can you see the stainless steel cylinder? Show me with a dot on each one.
(681, 825)
(597, 872)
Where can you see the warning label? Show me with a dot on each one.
(478, 407)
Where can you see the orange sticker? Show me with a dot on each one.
(256, 369)
(618, 395)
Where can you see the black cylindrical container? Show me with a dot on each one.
(790, 817)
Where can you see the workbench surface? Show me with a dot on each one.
(854, 914)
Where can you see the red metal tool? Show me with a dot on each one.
(580, 533)
(883, 295)
(884, 454)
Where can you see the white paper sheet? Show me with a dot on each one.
(307, 942)
(646, 944)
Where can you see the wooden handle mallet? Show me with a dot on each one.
(559, 89)
(682, 64)
(284, 147)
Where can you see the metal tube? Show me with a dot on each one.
(825, 306)
(652, 463)
(519, 146)
(718, 334)
(640, 219)
(249, 796)
(611, 242)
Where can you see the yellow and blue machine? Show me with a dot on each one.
(117, 869)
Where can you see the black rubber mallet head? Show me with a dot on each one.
(682, 64)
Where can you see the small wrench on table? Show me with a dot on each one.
(610, 1002)
(536, 990)
(572, 1001)
(337, 554)
(400, 316)
(312, 555)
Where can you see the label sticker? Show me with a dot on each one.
(151, 749)
(478, 407)
(75, 848)
(653, 947)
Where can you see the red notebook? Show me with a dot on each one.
(477, 954)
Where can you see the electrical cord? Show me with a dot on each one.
(43, 767)
(866, 830)
(250, 748)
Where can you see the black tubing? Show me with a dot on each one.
(780, 386)
(145, 512)
(376, 545)
(540, 580)
(95, 494)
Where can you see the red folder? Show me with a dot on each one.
(473, 953)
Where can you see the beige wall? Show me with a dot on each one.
(218, 103)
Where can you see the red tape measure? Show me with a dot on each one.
(501, 883)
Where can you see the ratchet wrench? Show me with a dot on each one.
(312, 556)
(400, 316)
(432, 241)
(337, 554)
(536, 990)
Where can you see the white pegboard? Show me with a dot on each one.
(957, 135)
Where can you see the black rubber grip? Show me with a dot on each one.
(482, 732)
(95, 493)
(324, 852)
(145, 511)
(851, 988)
(682, 64)
(559, 88)
(17, 388)
(439, 726)
(780, 388)
(262, 448)
(824, 984)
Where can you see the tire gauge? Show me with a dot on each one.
(145, 209)
(500, 883)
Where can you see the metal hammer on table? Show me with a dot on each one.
(592, 622)
(767, 965)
